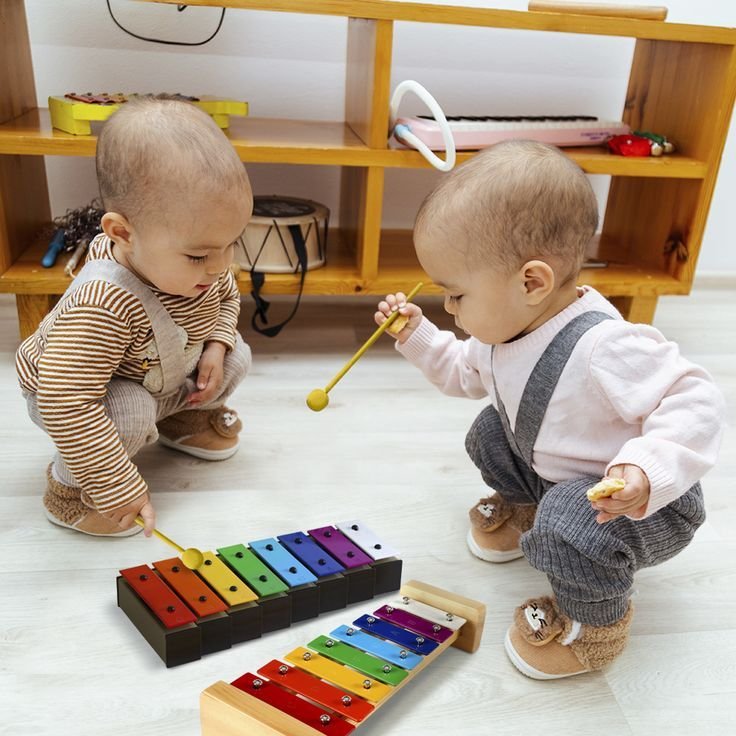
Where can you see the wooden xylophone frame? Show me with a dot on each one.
(246, 621)
(228, 711)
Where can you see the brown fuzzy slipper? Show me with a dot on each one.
(538, 621)
(64, 507)
(544, 644)
(209, 434)
(495, 528)
(489, 513)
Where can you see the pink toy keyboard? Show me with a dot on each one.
(479, 131)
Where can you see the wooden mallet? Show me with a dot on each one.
(318, 399)
(191, 557)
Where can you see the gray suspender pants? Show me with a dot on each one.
(590, 566)
(133, 409)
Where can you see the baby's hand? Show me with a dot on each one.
(630, 501)
(125, 515)
(397, 303)
(210, 372)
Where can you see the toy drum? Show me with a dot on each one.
(278, 228)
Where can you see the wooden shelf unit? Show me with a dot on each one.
(682, 82)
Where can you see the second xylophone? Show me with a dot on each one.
(245, 590)
(337, 681)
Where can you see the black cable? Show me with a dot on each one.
(163, 40)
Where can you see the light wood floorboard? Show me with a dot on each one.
(389, 450)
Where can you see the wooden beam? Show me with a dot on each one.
(482, 17)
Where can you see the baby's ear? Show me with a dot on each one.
(116, 227)
(539, 281)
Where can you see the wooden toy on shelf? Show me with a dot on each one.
(640, 143)
(336, 682)
(73, 112)
(241, 592)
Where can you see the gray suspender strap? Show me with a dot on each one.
(504, 417)
(542, 383)
(168, 343)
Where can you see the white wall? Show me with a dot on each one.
(293, 66)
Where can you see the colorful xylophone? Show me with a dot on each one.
(73, 112)
(336, 682)
(244, 591)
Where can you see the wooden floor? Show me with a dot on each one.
(389, 450)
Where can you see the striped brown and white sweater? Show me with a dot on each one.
(97, 333)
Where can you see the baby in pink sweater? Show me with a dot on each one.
(577, 394)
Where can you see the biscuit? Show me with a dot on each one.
(605, 488)
(398, 324)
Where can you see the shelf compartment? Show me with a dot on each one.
(266, 140)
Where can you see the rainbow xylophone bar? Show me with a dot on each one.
(336, 682)
(242, 592)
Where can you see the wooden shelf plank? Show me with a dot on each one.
(456, 15)
(398, 270)
(323, 143)
(255, 139)
(592, 160)
(341, 276)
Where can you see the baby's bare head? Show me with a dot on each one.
(514, 202)
(164, 159)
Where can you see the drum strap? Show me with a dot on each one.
(258, 279)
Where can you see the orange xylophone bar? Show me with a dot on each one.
(242, 592)
(337, 682)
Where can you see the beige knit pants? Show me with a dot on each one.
(134, 411)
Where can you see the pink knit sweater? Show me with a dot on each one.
(626, 396)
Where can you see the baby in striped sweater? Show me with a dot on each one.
(144, 344)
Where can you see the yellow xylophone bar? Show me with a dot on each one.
(228, 585)
(228, 711)
(335, 673)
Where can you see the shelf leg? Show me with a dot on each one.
(637, 309)
(24, 199)
(32, 308)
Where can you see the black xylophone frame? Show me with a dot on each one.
(179, 640)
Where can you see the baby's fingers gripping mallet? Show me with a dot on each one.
(191, 556)
(318, 399)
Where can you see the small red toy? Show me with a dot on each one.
(640, 143)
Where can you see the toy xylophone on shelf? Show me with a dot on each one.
(73, 112)
(336, 682)
(244, 591)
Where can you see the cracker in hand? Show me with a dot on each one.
(398, 324)
(607, 487)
